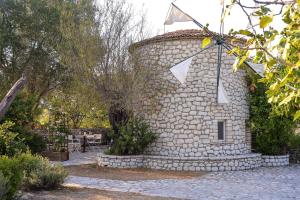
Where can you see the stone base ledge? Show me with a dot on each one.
(221, 163)
(120, 161)
(274, 161)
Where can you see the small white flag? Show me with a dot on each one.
(222, 95)
(176, 15)
(181, 69)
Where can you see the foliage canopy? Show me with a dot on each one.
(277, 50)
(271, 132)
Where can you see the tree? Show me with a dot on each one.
(79, 104)
(277, 50)
(119, 77)
(67, 42)
(38, 40)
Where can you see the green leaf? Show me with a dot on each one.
(287, 99)
(258, 13)
(265, 21)
(245, 32)
(242, 60)
(206, 41)
(236, 64)
(265, 9)
(297, 114)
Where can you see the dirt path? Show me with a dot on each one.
(128, 174)
(87, 194)
(93, 171)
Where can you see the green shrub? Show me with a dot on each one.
(4, 186)
(58, 142)
(48, 177)
(10, 142)
(22, 112)
(106, 137)
(274, 136)
(35, 142)
(133, 139)
(29, 171)
(272, 132)
(13, 174)
(39, 173)
(294, 141)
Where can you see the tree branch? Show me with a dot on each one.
(11, 95)
(275, 2)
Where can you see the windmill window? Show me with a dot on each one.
(221, 130)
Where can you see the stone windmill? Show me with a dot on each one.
(200, 123)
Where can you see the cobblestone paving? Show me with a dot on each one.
(262, 184)
(78, 158)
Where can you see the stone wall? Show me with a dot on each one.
(187, 116)
(120, 161)
(222, 163)
(78, 131)
(82, 131)
(273, 161)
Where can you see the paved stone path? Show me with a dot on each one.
(282, 183)
(78, 158)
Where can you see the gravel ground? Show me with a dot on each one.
(94, 171)
(86, 194)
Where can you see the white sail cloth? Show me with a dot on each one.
(180, 71)
(258, 68)
(222, 94)
(176, 15)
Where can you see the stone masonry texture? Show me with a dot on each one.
(187, 116)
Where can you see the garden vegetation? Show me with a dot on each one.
(66, 64)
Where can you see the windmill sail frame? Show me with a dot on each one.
(220, 41)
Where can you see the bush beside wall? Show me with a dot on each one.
(133, 138)
(271, 132)
(294, 148)
(28, 172)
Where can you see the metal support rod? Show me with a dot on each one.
(194, 54)
(219, 63)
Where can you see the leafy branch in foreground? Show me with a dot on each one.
(277, 50)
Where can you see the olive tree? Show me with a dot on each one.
(39, 41)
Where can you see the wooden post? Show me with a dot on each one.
(84, 144)
(11, 95)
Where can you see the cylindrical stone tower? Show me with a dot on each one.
(195, 133)
(189, 121)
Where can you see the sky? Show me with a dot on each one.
(204, 11)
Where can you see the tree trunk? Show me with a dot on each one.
(10, 96)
